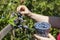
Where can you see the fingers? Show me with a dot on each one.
(40, 38)
(22, 13)
(50, 36)
(22, 7)
(44, 38)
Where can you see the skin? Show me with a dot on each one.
(44, 38)
(54, 21)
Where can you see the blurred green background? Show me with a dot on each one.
(43, 7)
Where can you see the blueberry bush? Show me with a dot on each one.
(43, 7)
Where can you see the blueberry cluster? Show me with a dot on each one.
(18, 22)
(42, 27)
(20, 15)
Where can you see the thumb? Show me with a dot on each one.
(22, 12)
(40, 38)
(50, 36)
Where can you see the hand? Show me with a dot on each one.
(50, 37)
(23, 9)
